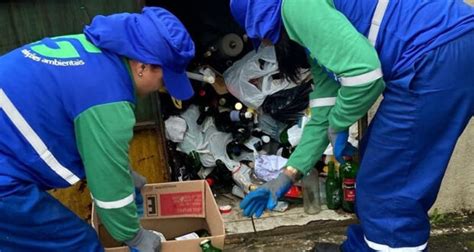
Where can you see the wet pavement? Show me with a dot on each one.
(450, 233)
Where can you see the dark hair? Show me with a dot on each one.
(291, 57)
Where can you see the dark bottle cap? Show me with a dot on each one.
(233, 148)
(258, 146)
(222, 101)
(220, 163)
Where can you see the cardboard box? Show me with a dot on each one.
(174, 209)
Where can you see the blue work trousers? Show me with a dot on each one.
(408, 146)
(31, 220)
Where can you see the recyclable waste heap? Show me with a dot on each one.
(241, 126)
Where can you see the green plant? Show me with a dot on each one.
(436, 217)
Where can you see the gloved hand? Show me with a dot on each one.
(138, 180)
(266, 196)
(341, 147)
(146, 241)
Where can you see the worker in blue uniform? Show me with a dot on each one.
(420, 54)
(67, 113)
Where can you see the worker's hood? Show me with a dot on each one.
(154, 36)
(261, 19)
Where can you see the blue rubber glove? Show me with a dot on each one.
(139, 202)
(341, 147)
(266, 196)
(139, 182)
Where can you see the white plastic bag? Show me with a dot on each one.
(296, 131)
(175, 129)
(206, 140)
(217, 142)
(193, 139)
(250, 79)
(267, 167)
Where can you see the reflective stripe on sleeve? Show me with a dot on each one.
(114, 204)
(322, 102)
(361, 79)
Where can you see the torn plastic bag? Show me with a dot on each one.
(251, 78)
(217, 141)
(206, 140)
(288, 105)
(267, 167)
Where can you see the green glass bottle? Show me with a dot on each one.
(349, 172)
(206, 246)
(195, 160)
(284, 138)
(333, 188)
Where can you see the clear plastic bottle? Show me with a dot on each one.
(311, 201)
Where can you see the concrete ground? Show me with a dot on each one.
(293, 230)
(450, 233)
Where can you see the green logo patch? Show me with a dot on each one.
(65, 49)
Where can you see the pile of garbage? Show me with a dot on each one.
(238, 132)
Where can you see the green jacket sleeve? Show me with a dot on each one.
(315, 138)
(340, 48)
(103, 134)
